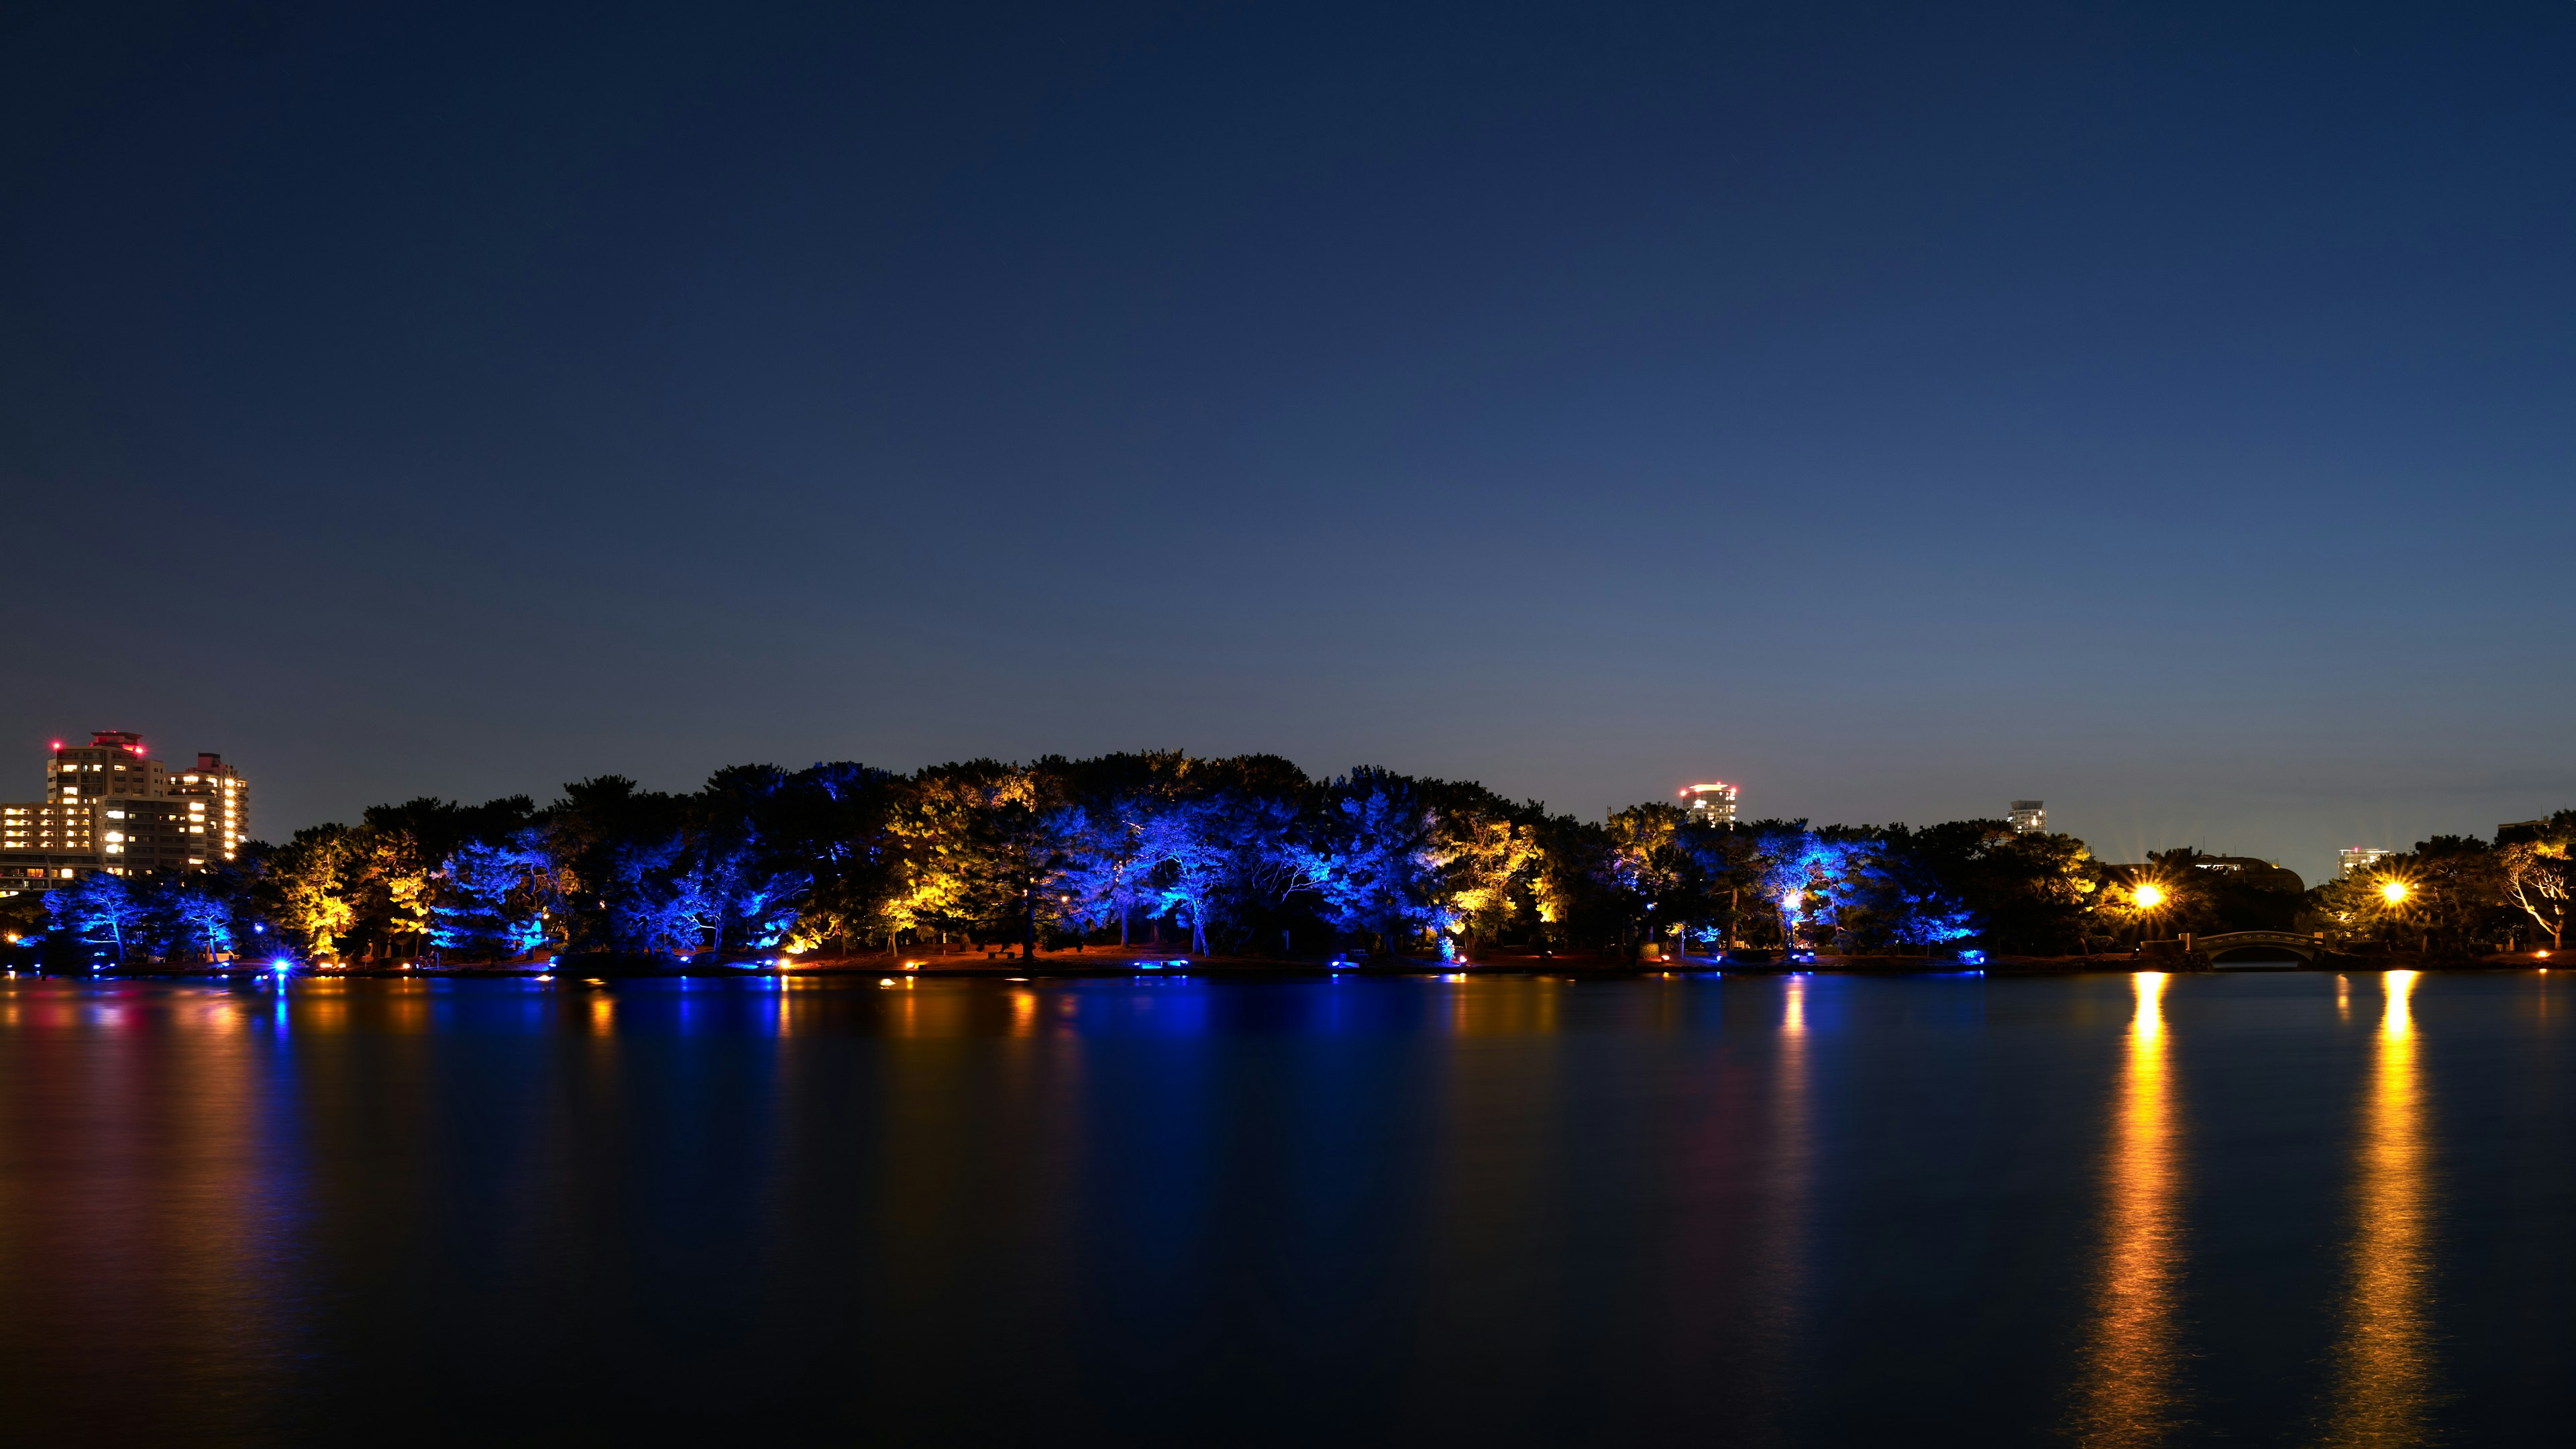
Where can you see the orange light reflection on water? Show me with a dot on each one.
(2126, 1389)
(2383, 1362)
(1784, 1229)
(1505, 1007)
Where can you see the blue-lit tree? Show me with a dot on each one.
(492, 898)
(1103, 881)
(199, 919)
(761, 900)
(1908, 888)
(1811, 877)
(1181, 859)
(658, 902)
(101, 909)
(683, 896)
(1206, 860)
(1374, 866)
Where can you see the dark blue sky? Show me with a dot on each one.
(1894, 409)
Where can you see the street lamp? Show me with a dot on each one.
(2395, 892)
(2149, 896)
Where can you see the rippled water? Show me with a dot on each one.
(2291, 1209)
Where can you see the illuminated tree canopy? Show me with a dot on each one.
(1242, 856)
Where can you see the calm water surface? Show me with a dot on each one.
(2279, 1209)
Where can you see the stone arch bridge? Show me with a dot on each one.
(2306, 947)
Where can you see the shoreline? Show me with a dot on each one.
(1100, 965)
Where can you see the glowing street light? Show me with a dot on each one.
(2149, 896)
(2395, 892)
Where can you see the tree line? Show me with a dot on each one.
(1243, 856)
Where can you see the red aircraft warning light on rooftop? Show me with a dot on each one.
(1713, 802)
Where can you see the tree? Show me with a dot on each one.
(1912, 888)
(1807, 876)
(401, 851)
(2165, 893)
(2443, 896)
(1104, 879)
(1573, 894)
(492, 898)
(1374, 866)
(1485, 862)
(685, 895)
(1016, 854)
(661, 907)
(2034, 892)
(928, 875)
(834, 821)
(397, 869)
(101, 908)
(2536, 873)
(1639, 868)
(197, 917)
(587, 832)
(1182, 851)
(311, 875)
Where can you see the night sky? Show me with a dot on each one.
(1896, 410)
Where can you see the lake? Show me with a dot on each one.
(2282, 1208)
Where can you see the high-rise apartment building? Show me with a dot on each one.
(2359, 858)
(218, 806)
(112, 763)
(2029, 817)
(1713, 803)
(110, 806)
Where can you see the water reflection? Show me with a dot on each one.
(1782, 1279)
(1774, 1209)
(141, 1217)
(2383, 1363)
(2127, 1382)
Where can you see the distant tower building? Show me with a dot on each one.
(2360, 858)
(2029, 817)
(1712, 803)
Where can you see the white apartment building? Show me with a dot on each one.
(109, 805)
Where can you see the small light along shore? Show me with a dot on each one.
(1109, 962)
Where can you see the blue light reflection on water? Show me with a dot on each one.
(1497, 1210)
